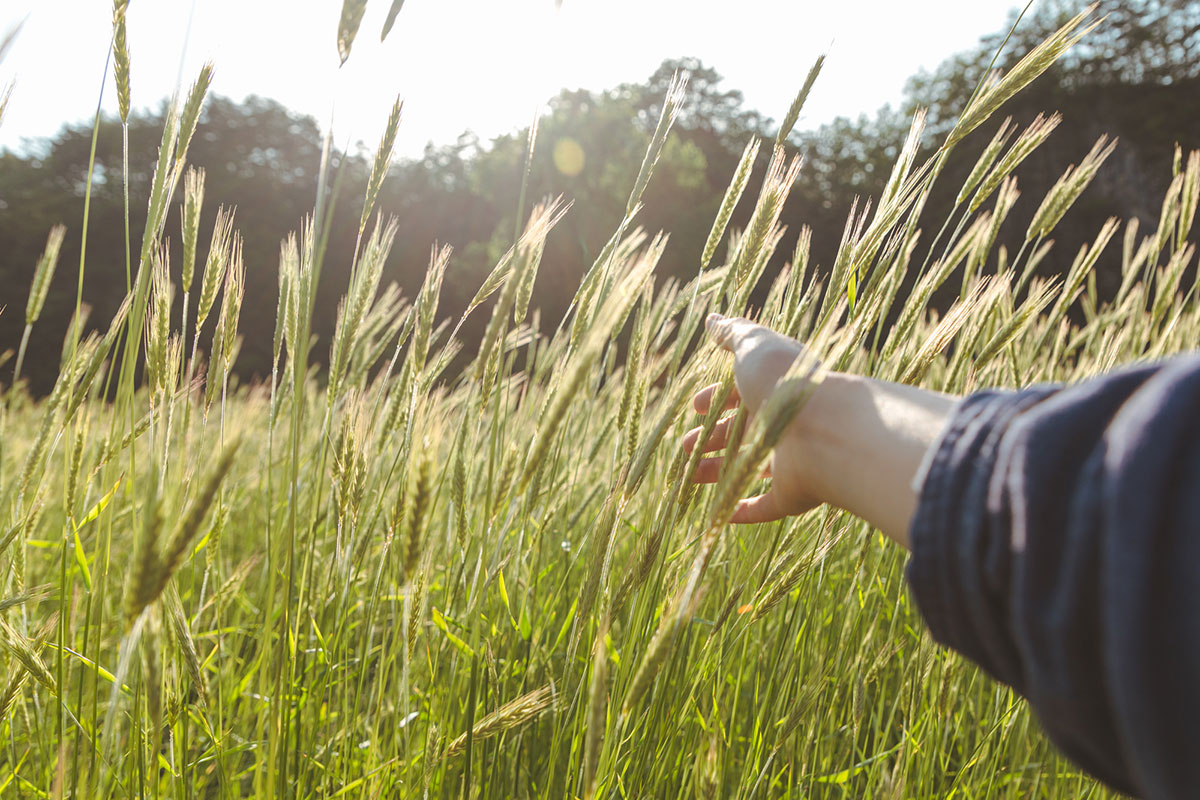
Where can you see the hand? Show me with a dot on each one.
(761, 358)
(856, 444)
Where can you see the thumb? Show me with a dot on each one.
(763, 508)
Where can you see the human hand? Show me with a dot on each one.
(857, 443)
(761, 357)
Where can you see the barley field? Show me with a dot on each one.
(403, 577)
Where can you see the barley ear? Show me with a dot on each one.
(6, 93)
(733, 193)
(393, 12)
(513, 714)
(44, 274)
(215, 265)
(192, 107)
(185, 531)
(352, 14)
(25, 652)
(1033, 64)
(383, 160)
(597, 713)
(672, 102)
(193, 201)
(793, 114)
(146, 564)
(12, 690)
(419, 509)
(121, 58)
(182, 633)
(458, 483)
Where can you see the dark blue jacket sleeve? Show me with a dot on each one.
(1056, 543)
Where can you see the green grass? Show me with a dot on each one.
(391, 580)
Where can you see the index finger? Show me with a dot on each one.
(702, 400)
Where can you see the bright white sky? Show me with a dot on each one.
(483, 65)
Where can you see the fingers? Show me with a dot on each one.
(708, 470)
(702, 400)
(761, 356)
(764, 508)
(718, 439)
(727, 332)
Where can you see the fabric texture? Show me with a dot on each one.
(1056, 543)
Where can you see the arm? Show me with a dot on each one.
(1055, 536)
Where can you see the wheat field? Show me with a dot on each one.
(399, 577)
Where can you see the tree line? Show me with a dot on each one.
(1135, 77)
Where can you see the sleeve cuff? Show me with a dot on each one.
(951, 501)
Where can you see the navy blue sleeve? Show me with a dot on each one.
(1056, 543)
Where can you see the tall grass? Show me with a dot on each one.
(396, 581)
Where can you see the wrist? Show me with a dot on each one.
(861, 442)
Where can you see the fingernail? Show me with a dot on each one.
(712, 320)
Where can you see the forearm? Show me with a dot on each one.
(864, 441)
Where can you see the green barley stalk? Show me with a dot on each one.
(1029, 140)
(1189, 199)
(513, 714)
(985, 161)
(121, 58)
(733, 193)
(42, 276)
(189, 118)
(793, 112)
(1033, 64)
(597, 712)
(1068, 188)
(425, 308)
(381, 164)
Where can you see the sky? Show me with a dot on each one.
(483, 65)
